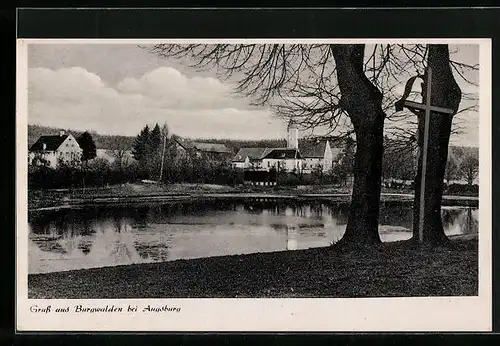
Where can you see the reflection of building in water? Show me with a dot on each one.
(292, 234)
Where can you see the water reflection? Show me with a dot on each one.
(121, 235)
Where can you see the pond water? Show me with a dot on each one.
(119, 235)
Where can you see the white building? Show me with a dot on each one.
(55, 149)
(282, 159)
(304, 155)
(317, 154)
(249, 158)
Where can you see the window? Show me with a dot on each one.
(268, 163)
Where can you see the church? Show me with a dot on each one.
(300, 155)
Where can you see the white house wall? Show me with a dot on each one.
(310, 163)
(69, 150)
(287, 164)
(48, 156)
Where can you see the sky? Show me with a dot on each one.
(119, 88)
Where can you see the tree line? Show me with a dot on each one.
(400, 163)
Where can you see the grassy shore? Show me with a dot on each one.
(153, 193)
(390, 270)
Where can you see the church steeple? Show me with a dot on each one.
(293, 135)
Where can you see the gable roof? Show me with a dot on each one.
(51, 143)
(204, 147)
(251, 153)
(312, 147)
(185, 143)
(212, 148)
(282, 153)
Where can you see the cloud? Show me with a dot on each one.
(167, 87)
(75, 98)
(200, 107)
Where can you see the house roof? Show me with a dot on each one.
(185, 143)
(212, 148)
(51, 143)
(251, 153)
(204, 147)
(281, 153)
(312, 148)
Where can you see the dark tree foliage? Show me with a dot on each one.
(141, 144)
(155, 139)
(88, 146)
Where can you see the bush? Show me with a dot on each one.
(96, 173)
(288, 179)
(462, 189)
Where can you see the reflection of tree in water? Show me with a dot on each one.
(450, 215)
(396, 214)
(338, 212)
(40, 221)
(87, 227)
(158, 251)
(317, 209)
(253, 208)
(466, 222)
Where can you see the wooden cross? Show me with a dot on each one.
(428, 108)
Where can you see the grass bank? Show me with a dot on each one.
(151, 192)
(391, 270)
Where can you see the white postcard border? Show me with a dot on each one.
(315, 314)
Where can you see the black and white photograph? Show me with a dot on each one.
(257, 172)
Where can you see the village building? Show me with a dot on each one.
(318, 155)
(249, 158)
(304, 155)
(282, 159)
(55, 149)
(215, 152)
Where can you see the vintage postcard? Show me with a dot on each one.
(254, 185)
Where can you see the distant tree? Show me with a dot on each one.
(141, 145)
(469, 169)
(155, 139)
(451, 171)
(88, 146)
(344, 165)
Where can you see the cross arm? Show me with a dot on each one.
(416, 105)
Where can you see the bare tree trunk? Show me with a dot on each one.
(445, 93)
(363, 103)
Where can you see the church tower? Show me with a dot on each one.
(293, 136)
